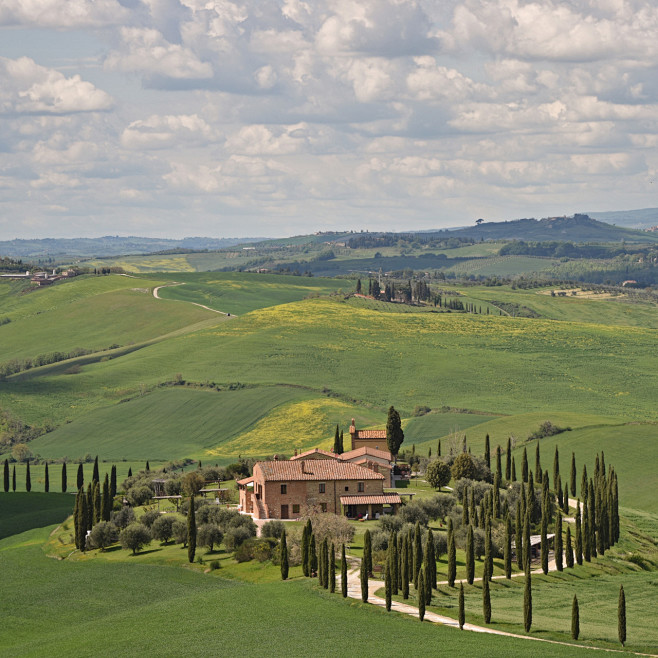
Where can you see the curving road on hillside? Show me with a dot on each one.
(169, 285)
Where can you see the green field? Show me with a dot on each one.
(128, 608)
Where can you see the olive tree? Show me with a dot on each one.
(438, 474)
(134, 537)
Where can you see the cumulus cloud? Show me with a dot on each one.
(32, 89)
(377, 111)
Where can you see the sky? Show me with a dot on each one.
(173, 118)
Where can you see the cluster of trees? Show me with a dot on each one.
(14, 431)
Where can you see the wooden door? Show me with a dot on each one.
(284, 512)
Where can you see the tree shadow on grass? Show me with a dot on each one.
(152, 550)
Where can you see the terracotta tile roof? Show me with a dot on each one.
(315, 451)
(365, 461)
(370, 434)
(366, 450)
(371, 499)
(313, 469)
(246, 480)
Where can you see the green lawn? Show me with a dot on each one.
(23, 511)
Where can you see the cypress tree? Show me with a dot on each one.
(579, 536)
(304, 550)
(583, 483)
(530, 506)
(544, 542)
(106, 501)
(507, 553)
(367, 551)
(64, 482)
(28, 479)
(538, 471)
(526, 541)
(569, 549)
(513, 469)
(558, 542)
(418, 554)
(332, 569)
(452, 557)
(524, 465)
(438, 451)
(83, 514)
(364, 582)
(113, 482)
(486, 596)
(518, 536)
(13, 479)
(488, 553)
(394, 560)
(75, 520)
(313, 557)
(337, 449)
(388, 586)
(430, 559)
(284, 556)
(565, 498)
(592, 517)
(575, 619)
(508, 460)
(496, 497)
(95, 475)
(556, 470)
(321, 565)
(46, 485)
(405, 568)
(499, 467)
(465, 514)
(191, 531)
(462, 616)
(324, 564)
(6, 476)
(81, 476)
(621, 616)
(96, 515)
(394, 433)
(527, 601)
(558, 491)
(487, 452)
(470, 557)
(343, 572)
(472, 510)
(428, 585)
(586, 537)
(130, 471)
(572, 475)
(421, 595)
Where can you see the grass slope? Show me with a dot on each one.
(127, 608)
(23, 511)
(238, 293)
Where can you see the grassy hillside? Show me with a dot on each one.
(23, 511)
(238, 293)
(104, 609)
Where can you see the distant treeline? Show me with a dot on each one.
(375, 240)
(11, 265)
(558, 249)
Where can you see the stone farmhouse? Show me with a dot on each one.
(284, 489)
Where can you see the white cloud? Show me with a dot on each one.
(58, 14)
(32, 89)
(158, 132)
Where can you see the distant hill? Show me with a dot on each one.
(110, 245)
(643, 218)
(579, 228)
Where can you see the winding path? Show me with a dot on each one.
(354, 592)
(169, 285)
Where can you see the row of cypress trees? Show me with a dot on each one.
(91, 507)
(79, 482)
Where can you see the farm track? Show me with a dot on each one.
(169, 285)
(354, 592)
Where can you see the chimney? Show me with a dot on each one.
(303, 465)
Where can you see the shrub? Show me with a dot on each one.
(134, 537)
(163, 527)
(379, 540)
(440, 544)
(439, 506)
(123, 517)
(414, 512)
(214, 565)
(139, 495)
(272, 529)
(149, 517)
(235, 537)
(464, 467)
(209, 534)
(192, 483)
(336, 529)
(102, 535)
(179, 531)
(391, 523)
(438, 474)
(259, 549)
(421, 410)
